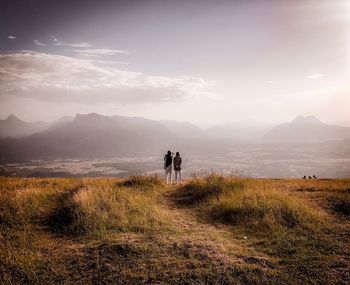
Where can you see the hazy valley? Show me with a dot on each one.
(96, 145)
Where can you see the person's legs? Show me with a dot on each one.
(166, 176)
(171, 177)
(180, 176)
(176, 174)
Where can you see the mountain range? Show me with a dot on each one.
(94, 135)
(306, 129)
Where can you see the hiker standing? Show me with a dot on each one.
(177, 167)
(168, 160)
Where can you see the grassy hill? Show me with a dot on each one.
(210, 230)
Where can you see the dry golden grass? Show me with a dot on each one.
(100, 208)
(21, 203)
(268, 210)
(208, 231)
(257, 204)
(201, 189)
(296, 221)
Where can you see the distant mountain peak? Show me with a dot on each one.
(306, 119)
(65, 119)
(89, 117)
(306, 129)
(12, 126)
(12, 117)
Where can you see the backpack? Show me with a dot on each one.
(177, 163)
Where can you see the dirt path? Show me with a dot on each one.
(186, 253)
(186, 221)
(218, 240)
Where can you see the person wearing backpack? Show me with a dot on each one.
(177, 168)
(168, 160)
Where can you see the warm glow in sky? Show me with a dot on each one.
(206, 62)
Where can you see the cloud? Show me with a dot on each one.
(110, 62)
(11, 37)
(58, 42)
(100, 52)
(80, 45)
(38, 43)
(54, 78)
(87, 50)
(316, 76)
(55, 39)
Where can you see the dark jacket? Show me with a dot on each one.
(167, 160)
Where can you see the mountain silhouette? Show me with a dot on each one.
(92, 135)
(306, 129)
(97, 136)
(14, 127)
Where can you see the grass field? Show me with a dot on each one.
(210, 230)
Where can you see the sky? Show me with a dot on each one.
(206, 62)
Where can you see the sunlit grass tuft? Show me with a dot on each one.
(267, 210)
(239, 202)
(98, 211)
(201, 189)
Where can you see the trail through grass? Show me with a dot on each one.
(207, 231)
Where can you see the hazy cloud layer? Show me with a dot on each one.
(316, 76)
(58, 42)
(57, 78)
(97, 52)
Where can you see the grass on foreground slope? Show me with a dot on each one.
(235, 202)
(305, 232)
(102, 231)
(74, 207)
(21, 206)
(104, 206)
(209, 231)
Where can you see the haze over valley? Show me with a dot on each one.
(93, 144)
